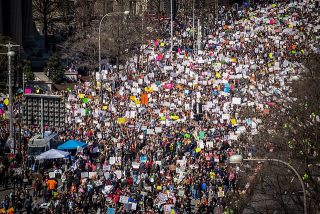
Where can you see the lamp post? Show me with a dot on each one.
(144, 9)
(236, 159)
(171, 21)
(193, 25)
(216, 11)
(108, 14)
(10, 54)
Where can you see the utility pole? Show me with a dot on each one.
(10, 54)
(216, 11)
(144, 10)
(41, 122)
(199, 36)
(171, 40)
(193, 24)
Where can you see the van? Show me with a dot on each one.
(38, 144)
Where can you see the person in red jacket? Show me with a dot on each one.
(37, 185)
(129, 180)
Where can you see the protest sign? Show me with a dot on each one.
(111, 210)
(112, 160)
(124, 199)
(135, 165)
(133, 206)
(92, 175)
(168, 208)
(52, 174)
(158, 129)
(106, 175)
(84, 174)
(236, 101)
(150, 131)
(118, 173)
(143, 159)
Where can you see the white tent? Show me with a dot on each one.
(52, 154)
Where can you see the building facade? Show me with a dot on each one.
(16, 21)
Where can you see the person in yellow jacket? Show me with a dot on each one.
(228, 211)
(212, 175)
(305, 177)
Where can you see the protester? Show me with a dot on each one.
(159, 135)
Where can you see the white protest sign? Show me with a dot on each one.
(150, 131)
(118, 174)
(112, 160)
(158, 163)
(135, 165)
(106, 175)
(162, 198)
(124, 199)
(236, 101)
(167, 208)
(158, 129)
(220, 194)
(233, 137)
(84, 174)
(168, 68)
(106, 167)
(118, 161)
(226, 116)
(52, 174)
(209, 144)
(92, 175)
(133, 206)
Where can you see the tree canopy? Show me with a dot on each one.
(54, 69)
(291, 133)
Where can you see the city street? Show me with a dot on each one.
(159, 106)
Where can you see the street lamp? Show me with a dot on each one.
(297, 78)
(108, 14)
(144, 8)
(10, 138)
(237, 159)
(10, 54)
(193, 25)
(171, 21)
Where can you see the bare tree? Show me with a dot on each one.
(44, 12)
(4, 64)
(84, 14)
(291, 131)
(121, 37)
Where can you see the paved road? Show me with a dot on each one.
(4, 192)
(10, 189)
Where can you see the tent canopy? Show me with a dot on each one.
(52, 154)
(72, 144)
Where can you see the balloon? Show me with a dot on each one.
(85, 100)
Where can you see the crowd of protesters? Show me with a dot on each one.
(159, 134)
